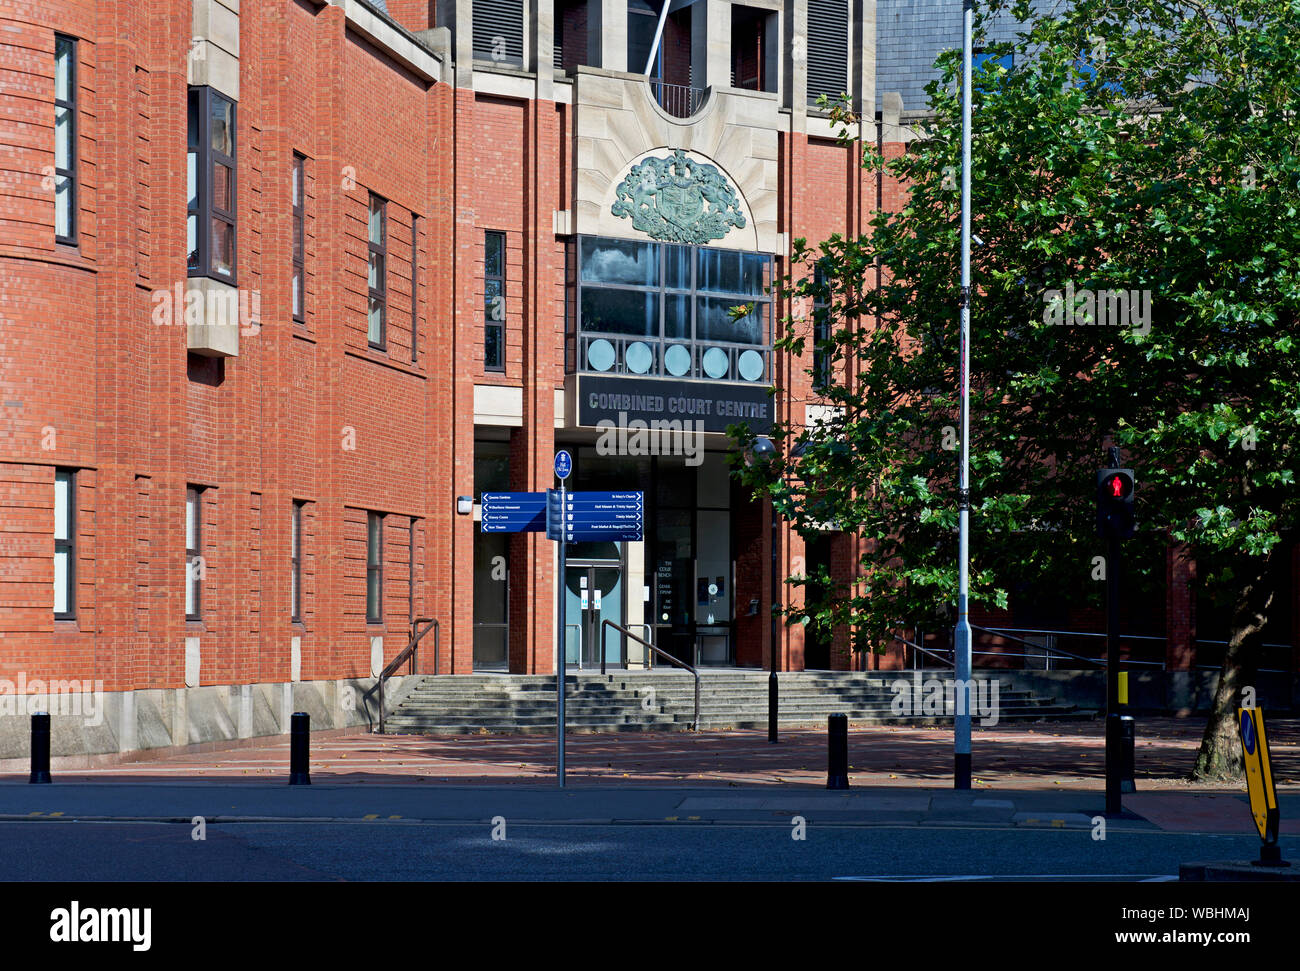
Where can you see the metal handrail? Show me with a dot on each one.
(408, 653)
(695, 725)
(679, 100)
(918, 647)
(1050, 650)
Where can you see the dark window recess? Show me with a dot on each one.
(295, 563)
(65, 139)
(65, 544)
(499, 31)
(299, 234)
(821, 337)
(410, 576)
(210, 186)
(415, 288)
(828, 49)
(376, 273)
(494, 301)
(374, 568)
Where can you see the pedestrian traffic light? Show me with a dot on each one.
(1115, 512)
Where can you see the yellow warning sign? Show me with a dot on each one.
(1259, 772)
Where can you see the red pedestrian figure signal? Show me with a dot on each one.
(1115, 512)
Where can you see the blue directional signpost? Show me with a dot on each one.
(567, 517)
(513, 512)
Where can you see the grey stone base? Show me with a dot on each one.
(91, 727)
(1236, 871)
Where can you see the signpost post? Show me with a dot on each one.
(563, 467)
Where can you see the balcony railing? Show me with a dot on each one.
(678, 100)
(654, 357)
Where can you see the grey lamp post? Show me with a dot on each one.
(763, 450)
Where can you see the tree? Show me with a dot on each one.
(1139, 158)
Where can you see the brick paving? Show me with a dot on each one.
(1021, 756)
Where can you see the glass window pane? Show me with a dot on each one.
(677, 315)
(192, 180)
(297, 292)
(620, 261)
(376, 225)
(62, 504)
(494, 254)
(191, 590)
(62, 137)
(372, 540)
(620, 312)
(372, 593)
(63, 47)
(221, 185)
(713, 322)
(297, 182)
(223, 129)
(375, 271)
(493, 350)
(192, 241)
(725, 271)
(223, 247)
(191, 521)
(677, 267)
(63, 206)
(61, 563)
(293, 592)
(375, 321)
(494, 304)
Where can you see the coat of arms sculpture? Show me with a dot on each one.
(678, 200)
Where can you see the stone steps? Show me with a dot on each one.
(663, 700)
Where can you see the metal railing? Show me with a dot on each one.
(679, 100)
(695, 725)
(409, 654)
(1052, 652)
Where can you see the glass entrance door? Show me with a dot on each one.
(594, 594)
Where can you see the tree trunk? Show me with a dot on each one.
(1219, 758)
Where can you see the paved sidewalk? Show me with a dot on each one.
(1021, 756)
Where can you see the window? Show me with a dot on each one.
(295, 563)
(65, 139)
(299, 233)
(210, 181)
(821, 336)
(415, 288)
(376, 275)
(193, 554)
(673, 311)
(494, 301)
(374, 568)
(65, 544)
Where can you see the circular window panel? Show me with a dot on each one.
(677, 359)
(750, 365)
(638, 357)
(600, 355)
(716, 364)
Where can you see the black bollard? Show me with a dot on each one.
(299, 735)
(837, 771)
(40, 748)
(1128, 759)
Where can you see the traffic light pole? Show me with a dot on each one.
(1114, 740)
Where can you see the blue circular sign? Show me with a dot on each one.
(563, 464)
(1248, 732)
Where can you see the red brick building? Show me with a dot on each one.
(280, 280)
